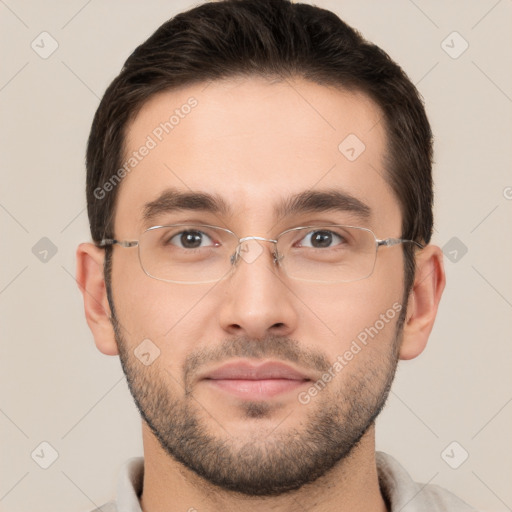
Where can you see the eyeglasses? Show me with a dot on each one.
(195, 254)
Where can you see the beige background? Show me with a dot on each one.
(56, 387)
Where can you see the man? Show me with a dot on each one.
(260, 199)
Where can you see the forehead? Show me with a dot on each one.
(254, 145)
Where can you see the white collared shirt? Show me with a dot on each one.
(402, 493)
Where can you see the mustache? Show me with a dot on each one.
(272, 346)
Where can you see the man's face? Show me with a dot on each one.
(256, 145)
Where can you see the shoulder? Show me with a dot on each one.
(408, 496)
(129, 488)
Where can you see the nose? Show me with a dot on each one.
(257, 298)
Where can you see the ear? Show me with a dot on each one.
(423, 301)
(91, 281)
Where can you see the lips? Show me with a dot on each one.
(255, 382)
(264, 371)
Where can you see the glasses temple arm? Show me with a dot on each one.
(123, 243)
(390, 242)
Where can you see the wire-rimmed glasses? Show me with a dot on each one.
(201, 253)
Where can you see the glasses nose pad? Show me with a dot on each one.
(277, 257)
(235, 256)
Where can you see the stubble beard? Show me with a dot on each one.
(270, 462)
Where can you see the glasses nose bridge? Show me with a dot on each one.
(249, 258)
(262, 239)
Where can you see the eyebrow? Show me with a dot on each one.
(310, 201)
(313, 201)
(172, 200)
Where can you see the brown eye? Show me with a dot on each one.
(321, 239)
(191, 239)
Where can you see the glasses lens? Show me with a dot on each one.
(184, 253)
(328, 253)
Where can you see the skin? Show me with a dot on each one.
(255, 143)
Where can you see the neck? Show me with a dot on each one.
(352, 485)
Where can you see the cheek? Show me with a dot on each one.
(336, 315)
(163, 312)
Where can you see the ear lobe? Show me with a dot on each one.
(91, 281)
(423, 302)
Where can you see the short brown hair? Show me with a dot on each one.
(274, 39)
